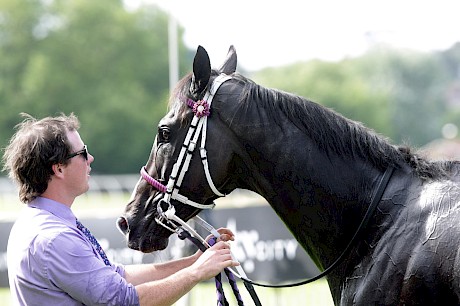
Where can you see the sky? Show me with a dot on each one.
(274, 33)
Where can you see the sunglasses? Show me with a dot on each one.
(83, 152)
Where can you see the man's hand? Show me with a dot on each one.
(214, 260)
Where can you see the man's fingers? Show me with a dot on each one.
(226, 237)
(226, 234)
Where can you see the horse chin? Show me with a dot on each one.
(149, 246)
(155, 238)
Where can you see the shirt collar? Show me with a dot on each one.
(58, 209)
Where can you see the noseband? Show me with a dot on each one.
(198, 127)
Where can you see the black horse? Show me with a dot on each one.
(318, 171)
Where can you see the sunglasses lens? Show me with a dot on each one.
(83, 152)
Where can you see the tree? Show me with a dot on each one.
(340, 86)
(107, 65)
(415, 84)
(398, 93)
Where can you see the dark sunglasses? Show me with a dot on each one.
(83, 152)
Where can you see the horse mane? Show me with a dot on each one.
(339, 134)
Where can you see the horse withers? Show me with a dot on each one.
(319, 171)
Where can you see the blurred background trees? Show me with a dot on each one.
(109, 66)
(406, 96)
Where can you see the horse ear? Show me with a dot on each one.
(201, 71)
(229, 66)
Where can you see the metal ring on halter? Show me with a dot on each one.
(160, 210)
(163, 216)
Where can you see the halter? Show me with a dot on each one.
(171, 190)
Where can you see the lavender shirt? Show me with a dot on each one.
(50, 262)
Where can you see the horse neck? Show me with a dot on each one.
(320, 197)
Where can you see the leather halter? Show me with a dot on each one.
(171, 190)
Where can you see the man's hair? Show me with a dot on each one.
(35, 147)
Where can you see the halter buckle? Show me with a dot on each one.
(163, 212)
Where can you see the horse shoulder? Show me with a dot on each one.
(417, 258)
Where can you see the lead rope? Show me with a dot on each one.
(221, 300)
(230, 277)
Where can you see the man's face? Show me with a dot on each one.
(78, 168)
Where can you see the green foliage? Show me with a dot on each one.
(400, 94)
(415, 84)
(107, 65)
(339, 86)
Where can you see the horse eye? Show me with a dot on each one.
(163, 134)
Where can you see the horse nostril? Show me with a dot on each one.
(122, 225)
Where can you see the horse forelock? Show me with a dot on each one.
(181, 93)
(179, 96)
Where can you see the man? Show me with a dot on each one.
(51, 261)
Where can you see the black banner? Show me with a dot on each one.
(266, 250)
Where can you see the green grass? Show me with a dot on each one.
(204, 294)
(317, 294)
(5, 297)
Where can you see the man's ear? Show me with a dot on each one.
(57, 169)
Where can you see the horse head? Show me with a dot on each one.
(143, 221)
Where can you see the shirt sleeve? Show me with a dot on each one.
(71, 265)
